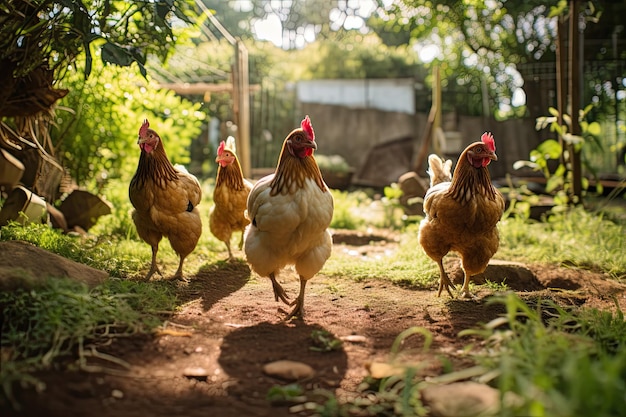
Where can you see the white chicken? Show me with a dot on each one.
(290, 212)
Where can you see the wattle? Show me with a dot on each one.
(304, 152)
(478, 162)
(146, 147)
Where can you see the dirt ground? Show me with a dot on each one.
(230, 326)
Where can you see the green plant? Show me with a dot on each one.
(324, 341)
(287, 394)
(394, 212)
(497, 286)
(557, 361)
(126, 32)
(560, 180)
(573, 237)
(346, 212)
(96, 141)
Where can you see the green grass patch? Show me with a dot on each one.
(557, 361)
(576, 237)
(408, 265)
(63, 319)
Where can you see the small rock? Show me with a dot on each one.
(379, 370)
(198, 373)
(462, 399)
(354, 338)
(288, 370)
(117, 394)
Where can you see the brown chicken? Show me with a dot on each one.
(165, 199)
(229, 196)
(290, 212)
(462, 212)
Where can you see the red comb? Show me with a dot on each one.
(308, 128)
(143, 131)
(220, 149)
(487, 139)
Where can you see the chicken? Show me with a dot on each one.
(462, 212)
(290, 212)
(165, 199)
(230, 196)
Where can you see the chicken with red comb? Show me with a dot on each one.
(165, 200)
(462, 212)
(290, 212)
(229, 196)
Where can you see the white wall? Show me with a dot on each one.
(393, 95)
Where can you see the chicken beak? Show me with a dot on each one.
(493, 156)
(310, 144)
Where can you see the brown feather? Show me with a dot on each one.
(154, 167)
(230, 176)
(467, 180)
(292, 171)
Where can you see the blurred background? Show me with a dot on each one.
(384, 82)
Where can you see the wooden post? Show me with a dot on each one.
(241, 99)
(433, 122)
(561, 78)
(574, 95)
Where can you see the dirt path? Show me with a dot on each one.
(230, 326)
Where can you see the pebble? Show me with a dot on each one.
(354, 338)
(288, 370)
(198, 373)
(462, 399)
(379, 370)
(117, 394)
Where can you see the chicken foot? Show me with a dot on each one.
(153, 266)
(465, 292)
(298, 310)
(179, 271)
(230, 252)
(279, 291)
(444, 281)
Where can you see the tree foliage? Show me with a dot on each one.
(46, 43)
(96, 141)
(55, 32)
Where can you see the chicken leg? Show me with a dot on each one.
(465, 292)
(279, 291)
(179, 271)
(230, 252)
(241, 241)
(444, 281)
(298, 310)
(153, 266)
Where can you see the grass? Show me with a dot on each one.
(558, 361)
(63, 319)
(405, 266)
(576, 237)
(544, 359)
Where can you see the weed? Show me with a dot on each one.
(324, 341)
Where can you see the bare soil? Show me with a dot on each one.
(230, 326)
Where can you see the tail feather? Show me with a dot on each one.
(439, 170)
(231, 144)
